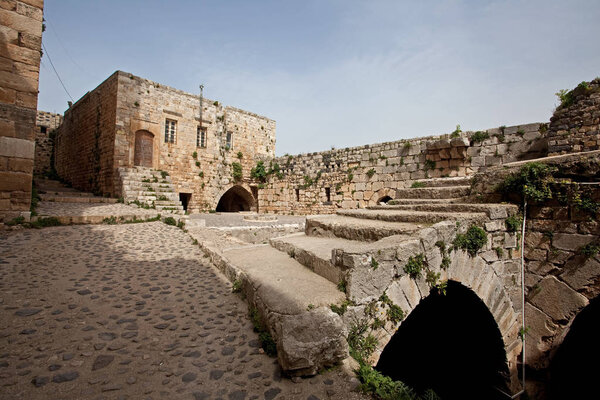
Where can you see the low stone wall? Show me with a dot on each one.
(320, 183)
(575, 125)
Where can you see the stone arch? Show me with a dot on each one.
(458, 325)
(235, 199)
(143, 154)
(384, 193)
(497, 284)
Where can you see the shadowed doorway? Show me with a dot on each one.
(235, 199)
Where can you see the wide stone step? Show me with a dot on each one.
(77, 199)
(426, 201)
(64, 193)
(423, 217)
(493, 211)
(357, 229)
(433, 192)
(446, 182)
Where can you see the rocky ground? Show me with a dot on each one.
(131, 312)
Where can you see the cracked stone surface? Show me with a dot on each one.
(131, 312)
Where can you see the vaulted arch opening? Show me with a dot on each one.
(235, 199)
(449, 343)
(574, 370)
(384, 200)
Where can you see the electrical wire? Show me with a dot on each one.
(56, 72)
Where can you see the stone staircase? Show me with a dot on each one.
(55, 191)
(150, 188)
(354, 257)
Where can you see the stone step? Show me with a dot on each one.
(140, 181)
(433, 192)
(446, 182)
(167, 203)
(64, 193)
(77, 199)
(357, 229)
(426, 201)
(422, 217)
(493, 211)
(170, 207)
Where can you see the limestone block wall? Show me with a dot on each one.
(357, 177)
(20, 42)
(575, 125)
(84, 148)
(143, 105)
(46, 125)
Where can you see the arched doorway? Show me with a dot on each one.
(571, 376)
(384, 200)
(144, 146)
(449, 343)
(235, 199)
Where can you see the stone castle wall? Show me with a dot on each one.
(358, 177)
(144, 105)
(575, 125)
(20, 43)
(46, 125)
(84, 148)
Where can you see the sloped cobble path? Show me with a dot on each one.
(130, 312)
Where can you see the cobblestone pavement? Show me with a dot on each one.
(130, 312)
(237, 219)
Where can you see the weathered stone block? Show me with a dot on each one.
(572, 241)
(545, 298)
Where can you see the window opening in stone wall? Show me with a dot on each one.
(297, 194)
(328, 194)
(170, 129)
(230, 140)
(185, 198)
(200, 137)
(43, 129)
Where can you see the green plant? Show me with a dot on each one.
(342, 285)
(170, 221)
(407, 145)
(164, 174)
(201, 174)
(374, 263)
(520, 131)
(432, 277)
(259, 172)
(417, 184)
(310, 307)
(237, 286)
(45, 222)
(532, 181)
(371, 172)
(472, 241)
(479, 136)
(237, 171)
(265, 338)
(341, 309)
(240, 155)
(590, 250)
(429, 164)
(414, 265)
(523, 331)
(499, 252)
(513, 223)
(456, 133)
(543, 128)
(110, 221)
(15, 221)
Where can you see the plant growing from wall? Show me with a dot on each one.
(259, 172)
(371, 172)
(429, 164)
(532, 182)
(472, 241)
(479, 136)
(456, 132)
(237, 171)
(415, 265)
(240, 155)
(513, 223)
(417, 185)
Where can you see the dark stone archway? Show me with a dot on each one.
(235, 199)
(451, 344)
(384, 199)
(574, 370)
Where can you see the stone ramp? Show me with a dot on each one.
(352, 228)
(293, 303)
(283, 284)
(428, 217)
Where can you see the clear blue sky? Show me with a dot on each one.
(335, 72)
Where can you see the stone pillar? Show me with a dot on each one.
(20, 44)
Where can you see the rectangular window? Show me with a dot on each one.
(170, 129)
(328, 194)
(229, 140)
(201, 137)
(297, 194)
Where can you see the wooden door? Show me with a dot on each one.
(144, 143)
